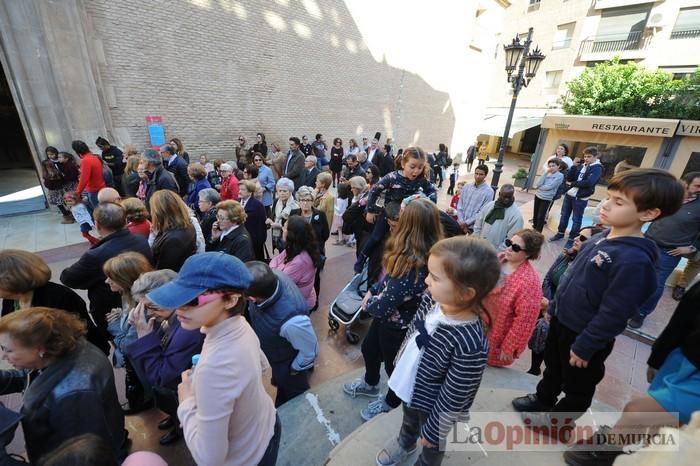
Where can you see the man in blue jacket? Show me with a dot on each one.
(582, 180)
(177, 166)
(280, 317)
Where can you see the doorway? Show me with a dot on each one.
(20, 189)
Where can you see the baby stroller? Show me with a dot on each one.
(345, 308)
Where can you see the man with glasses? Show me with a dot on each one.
(499, 219)
(294, 164)
(310, 171)
(305, 147)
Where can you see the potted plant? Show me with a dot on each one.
(520, 177)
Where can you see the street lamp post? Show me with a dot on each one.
(516, 52)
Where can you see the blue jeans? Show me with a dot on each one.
(92, 201)
(569, 206)
(664, 267)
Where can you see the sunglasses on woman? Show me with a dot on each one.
(513, 246)
(582, 238)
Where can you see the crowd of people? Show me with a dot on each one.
(185, 295)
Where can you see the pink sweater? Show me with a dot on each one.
(230, 419)
(302, 272)
(514, 307)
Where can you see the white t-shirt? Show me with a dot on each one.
(403, 378)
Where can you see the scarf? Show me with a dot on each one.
(498, 212)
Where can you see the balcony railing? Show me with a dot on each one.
(614, 43)
(686, 34)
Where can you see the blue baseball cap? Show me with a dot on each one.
(199, 273)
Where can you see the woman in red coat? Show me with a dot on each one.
(514, 304)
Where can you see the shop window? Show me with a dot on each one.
(611, 156)
(693, 163)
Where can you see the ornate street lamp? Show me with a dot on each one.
(527, 64)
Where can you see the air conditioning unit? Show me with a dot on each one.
(656, 21)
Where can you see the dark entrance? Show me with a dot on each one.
(528, 143)
(20, 190)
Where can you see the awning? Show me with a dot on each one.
(494, 125)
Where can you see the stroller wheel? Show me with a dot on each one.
(352, 337)
(333, 324)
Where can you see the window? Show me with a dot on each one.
(534, 5)
(621, 28)
(611, 156)
(679, 72)
(563, 36)
(687, 24)
(553, 79)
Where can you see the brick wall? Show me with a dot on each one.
(215, 69)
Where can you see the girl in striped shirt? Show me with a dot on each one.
(444, 355)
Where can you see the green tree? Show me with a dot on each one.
(627, 89)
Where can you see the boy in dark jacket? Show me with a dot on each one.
(605, 286)
(581, 181)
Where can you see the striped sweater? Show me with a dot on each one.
(449, 372)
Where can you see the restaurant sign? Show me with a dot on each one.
(689, 128)
(640, 126)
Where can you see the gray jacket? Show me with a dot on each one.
(73, 396)
(548, 185)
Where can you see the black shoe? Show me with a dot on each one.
(167, 423)
(636, 321)
(171, 437)
(591, 457)
(130, 410)
(534, 371)
(529, 403)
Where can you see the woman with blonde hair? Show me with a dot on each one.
(324, 200)
(228, 234)
(180, 149)
(394, 300)
(25, 282)
(130, 180)
(121, 272)
(276, 160)
(175, 238)
(67, 384)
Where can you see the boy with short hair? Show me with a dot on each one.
(610, 279)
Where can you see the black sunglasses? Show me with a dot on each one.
(513, 246)
(582, 238)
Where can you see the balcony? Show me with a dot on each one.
(630, 46)
(605, 4)
(686, 34)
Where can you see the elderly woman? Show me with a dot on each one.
(300, 258)
(319, 224)
(515, 302)
(163, 349)
(121, 272)
(208, 198)
(175, 236)
(251, 173)
(267, 180)
(198, 175)
(284, 204)
(229, 183)
(255, 219)
(228, 233)
(354, 222)
(67, 383)
(324, 200)
(24, 283)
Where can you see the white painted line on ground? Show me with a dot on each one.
(333, 436)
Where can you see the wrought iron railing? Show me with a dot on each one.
(686, 34)
(614, 43)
